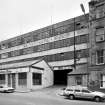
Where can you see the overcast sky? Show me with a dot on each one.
(22, 16)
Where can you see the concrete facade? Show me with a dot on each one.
(55, 43)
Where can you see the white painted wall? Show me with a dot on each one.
(47, 75)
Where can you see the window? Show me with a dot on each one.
(85, 91)
(22, 78)
(14, 43)
(64, 29)
(15, 53)
(9, 44)
(100, 34)
(84, 38)
(4, 55)
(78, 54)
(69, 89)
(102, 80)
(28, 50)
(77, 90)
(77, 40)
(20, 41)
(35, 36)
(28, 39)
(3, 46)
(100, 11)
(84, 53)
(37, 79)
(43, 47)
(43, 35)
(100, 56)
(2, 78)
(79, 80)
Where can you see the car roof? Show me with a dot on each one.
(76, 87)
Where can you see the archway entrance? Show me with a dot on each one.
(60, 76)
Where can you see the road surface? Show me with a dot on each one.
(41, 97)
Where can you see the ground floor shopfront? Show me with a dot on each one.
(35, 75)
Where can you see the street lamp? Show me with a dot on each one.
(83, 9)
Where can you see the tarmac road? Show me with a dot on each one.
(46, 96)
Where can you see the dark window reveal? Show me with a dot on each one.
(37, 79)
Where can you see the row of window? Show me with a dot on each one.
(48, 46)
(84, 53)
(22, 78)
(33, 36)
(68, 55)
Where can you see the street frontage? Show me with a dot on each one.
(47, 96)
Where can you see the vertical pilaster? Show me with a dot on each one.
(29, 79)
(16, 80)
(6, 79)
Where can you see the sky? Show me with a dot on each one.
(21, 16)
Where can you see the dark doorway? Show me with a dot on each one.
(60, 76)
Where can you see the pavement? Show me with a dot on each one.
(22, 91)
(52, 91)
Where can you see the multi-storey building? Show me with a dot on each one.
(97, 42)
(70, 52)
(55, 44)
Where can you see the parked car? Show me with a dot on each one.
(83, 92)
(4, 88)
(61, 91)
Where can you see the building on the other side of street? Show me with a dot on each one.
(97, 43)
(54, 43)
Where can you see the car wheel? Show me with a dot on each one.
(71, 97)
(97, 99)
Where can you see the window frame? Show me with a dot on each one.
(102, 81)
(79, 79)
(100, 57)
(100, 32)
(36, 78)
(100, 11)
(22, 79)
